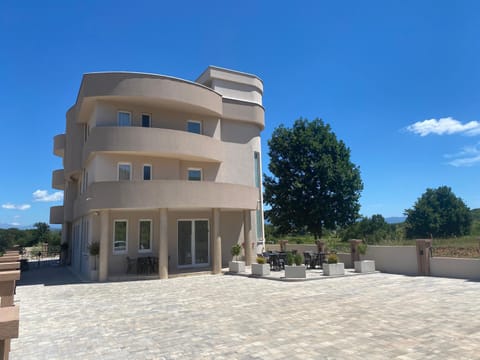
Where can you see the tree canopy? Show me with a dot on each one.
(438, 213)
(314, 185)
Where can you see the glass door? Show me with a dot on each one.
(193, 243)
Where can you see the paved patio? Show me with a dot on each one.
(377, 316)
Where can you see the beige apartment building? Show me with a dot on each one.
(161, 168)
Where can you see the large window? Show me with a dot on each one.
(147, 172)
(124, 171)
(194, 174)
(120, 237)
(145, 236)
(194, 127)
(124, 118)
(146, 120)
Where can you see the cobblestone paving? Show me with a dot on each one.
(377, 316)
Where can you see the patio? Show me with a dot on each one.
(378, 316)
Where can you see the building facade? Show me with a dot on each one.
(163, 168)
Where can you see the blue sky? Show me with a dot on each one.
(398, 81)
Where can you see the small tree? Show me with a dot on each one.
(94, 249)
(439, 213)
(314, 185)
(236, 250)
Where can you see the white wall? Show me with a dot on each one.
(455, 267)
(393, 259)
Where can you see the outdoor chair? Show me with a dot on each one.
(131, 265)
(307, 256)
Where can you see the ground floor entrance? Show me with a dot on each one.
(193, 242)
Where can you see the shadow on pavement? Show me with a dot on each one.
(47, 274)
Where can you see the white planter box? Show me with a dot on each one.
(261, 269)
(333, 269)
(365, 266)
(295, 272)
(237, 266)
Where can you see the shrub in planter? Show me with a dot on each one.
(290, 258)
(236, 266)
(236, 250)
(332, 258)
(362, 249)
(94, 250)
(261, 268)
(261, 260)
(298, 259)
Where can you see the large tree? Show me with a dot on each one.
(314, 185)
(438, 212)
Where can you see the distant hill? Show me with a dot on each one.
(395, 219)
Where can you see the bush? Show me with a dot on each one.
(298, 259)
(332, 258)
(362, 248)
(290, 258)
(94, 248)
(261, 260)
(236, 250)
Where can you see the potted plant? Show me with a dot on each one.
(364, 266)
(295, 267)
(94, 250)
(235, 265)
(261, 268)
(63, 253)
(332, 266)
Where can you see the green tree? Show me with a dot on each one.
(314, 185)
(41, 232)
(372, 230)
(439, 213)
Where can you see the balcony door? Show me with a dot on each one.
(193, 243)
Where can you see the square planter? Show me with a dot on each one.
(261, 269)
(236, 266)
(333, 269)
(296, 272)
(365, 266)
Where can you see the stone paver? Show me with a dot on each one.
(377, 316)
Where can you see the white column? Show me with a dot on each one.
(163, 248)
(217, 243)
(247, 236)
(104, 246)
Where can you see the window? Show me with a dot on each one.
(124, 171)
(195, 174)
(146, 120)
(124, 118)
(194, 127)
(145, 236)
(120, 236)
(147, 172)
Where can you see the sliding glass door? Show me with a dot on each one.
(193, 243)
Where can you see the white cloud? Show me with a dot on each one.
(10, 206)
(44, 196)
(469, 156)
(15, 224)
(443, 126)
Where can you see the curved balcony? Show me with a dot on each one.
(148, 90)
(59, 145)
(170, 194)
(56, 215)
(244, 111)
(153, 141)
(58, 179)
